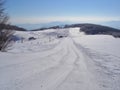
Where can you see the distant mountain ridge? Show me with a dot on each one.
(36, 26)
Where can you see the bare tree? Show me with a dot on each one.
(5, 34)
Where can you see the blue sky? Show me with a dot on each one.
(46, 11)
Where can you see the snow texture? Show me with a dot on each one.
(74, 62)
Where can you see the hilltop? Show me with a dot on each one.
(89, 29)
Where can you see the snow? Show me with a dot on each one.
(75, 62)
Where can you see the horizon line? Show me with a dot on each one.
(43, 20)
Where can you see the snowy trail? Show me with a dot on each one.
(63, 69)
(56, 75)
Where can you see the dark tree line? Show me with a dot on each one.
(5, 34)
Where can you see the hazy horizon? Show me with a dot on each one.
(41, 12)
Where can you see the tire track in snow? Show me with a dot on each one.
(79, 78)
(51, 78)
(20, 79)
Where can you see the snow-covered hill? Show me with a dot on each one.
(61, 59)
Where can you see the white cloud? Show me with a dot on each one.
(37, 20)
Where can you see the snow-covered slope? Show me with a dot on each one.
(43, 40)
(50, 62)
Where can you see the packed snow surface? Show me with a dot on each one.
(61, 59)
